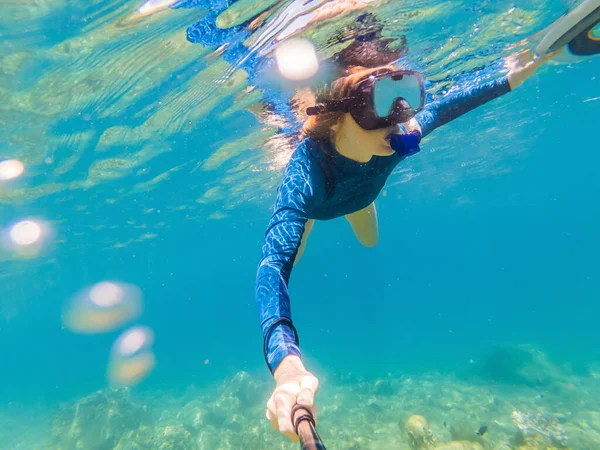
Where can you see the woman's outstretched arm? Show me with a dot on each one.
(462, 100)
(294, 384)
(282, 240)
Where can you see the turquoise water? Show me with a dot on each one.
(488, 240)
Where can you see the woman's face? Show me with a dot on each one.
(366, 142)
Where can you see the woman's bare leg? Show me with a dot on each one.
(310, 223)
(364, 225)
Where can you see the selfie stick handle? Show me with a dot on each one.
(304, 424)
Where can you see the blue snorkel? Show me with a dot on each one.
(406, 144)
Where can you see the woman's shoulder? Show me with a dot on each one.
(310, 149)
(306, 163)
(314, 155)
(310, 144)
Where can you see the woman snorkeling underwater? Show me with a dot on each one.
(338, 170)
(359, 129)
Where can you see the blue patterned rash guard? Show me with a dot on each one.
(320, 183)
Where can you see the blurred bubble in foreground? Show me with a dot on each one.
(11, 168)
(131, 357)
(26, 237)
(103, 307)
(26, 232)
(296, 59)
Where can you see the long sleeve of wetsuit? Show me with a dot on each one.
(282, 240)
(455, 104)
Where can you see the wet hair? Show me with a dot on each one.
(366, 54)
(319, 127)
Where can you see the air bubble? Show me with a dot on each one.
(103, 307)
(131, 357)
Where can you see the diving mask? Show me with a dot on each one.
(380, 100)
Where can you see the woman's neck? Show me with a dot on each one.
(347, 147)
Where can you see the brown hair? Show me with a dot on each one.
(319, 127)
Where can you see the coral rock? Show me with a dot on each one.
(192, 415)
(172, 437)
(98, 421)
(421, 436)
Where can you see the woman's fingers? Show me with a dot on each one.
(272, 413)
(279, 409)
(306, 398)
(295, 385)
(284, 402)
(308, 389)
(284, 420)
(412, 125)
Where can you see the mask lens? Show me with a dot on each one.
(386, 91)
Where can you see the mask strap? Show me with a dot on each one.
(328, 106)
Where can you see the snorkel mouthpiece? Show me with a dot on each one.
(406, 144)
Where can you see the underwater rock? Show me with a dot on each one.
(374, 407)
(384, 387)
(235, 423)
(421, 436)
(243, 391)
(520, 364)
(534, 443)
(172, 437)
(209, 439)
(459, 445)
(140, 439)
(228, 410)
(192, 415)
(238, 395)
(98, 421)
(464, 433)
(538, 427)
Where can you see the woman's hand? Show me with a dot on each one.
(524, 64)
(334, 8)
(294, 385)
(411, 125)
